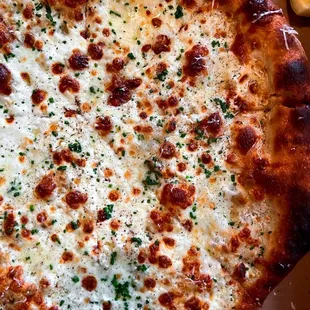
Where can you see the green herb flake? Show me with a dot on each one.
(75, 147)
(149, 181)
(179, 12)
(162, 75)
(142, 268)
(131, 56)
(137, 241)
(215, 43)
(75, 279)
(115, 13)
(121, 289)
(113, 258)
(75, 225)
(108, 211)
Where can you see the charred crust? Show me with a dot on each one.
(254, 8)
(294, 76)
(298, 241)
(246, 302)
(285, 179)
(286, 63)
(240, 48)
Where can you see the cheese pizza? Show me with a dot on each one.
(153, 154)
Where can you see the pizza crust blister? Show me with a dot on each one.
(153, 154)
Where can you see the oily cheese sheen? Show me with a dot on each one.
(124, 135)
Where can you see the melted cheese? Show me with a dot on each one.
(37, 133)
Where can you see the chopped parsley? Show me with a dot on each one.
(131, 56)
(224, 106)
(137, 241)
(49, 15)
(15, 188)
(113, 258)
(75, 279)
(75, 225)
(75, 147)
(149, 181)
(162, 75)
(115, 13)
(108, 211)
(8, 56)
(179, 12)
(215, 43)
(142, 268)
(121, 289)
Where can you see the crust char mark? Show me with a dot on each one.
(284, 177)
(264, 28)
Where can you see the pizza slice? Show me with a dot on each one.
(153, 154)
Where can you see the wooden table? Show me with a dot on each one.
(294, 292)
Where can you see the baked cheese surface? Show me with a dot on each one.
(116, 131)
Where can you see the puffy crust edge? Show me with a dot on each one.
(264, 38)
(285, 175)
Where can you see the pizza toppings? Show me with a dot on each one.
(46, 186)
(5, 34)
(162, 220)
(67, 83)
(29, 40)
(120, 90)
(116, 66)
(5, 80)
(58, 68)
(245, 139)
(78, 60)
(28, 11)
(211, 126)
(8, 224)
(89, 283)
(156, 22)
(67, 256)
(166, 299)
(103, 125)
(161, 71)
(164, 261)
(287, 30)
(138, 165)
(149, 283)
(167, 150)
(75, 198)
(262, 15)
(177, 196)
(88, 226)
(195, 61)
(38, 96)
(193, 303)
(95, 51)
(162, 44)
(42, 217)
